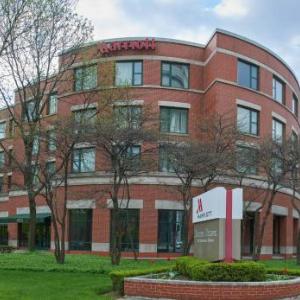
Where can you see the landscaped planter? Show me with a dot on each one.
(185, 289)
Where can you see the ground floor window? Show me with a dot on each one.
(277, 223)
(42, 238)
(248, 227)
(170, 231)
(80, 229)
(3, 234)
(129, 229)
(295, 234)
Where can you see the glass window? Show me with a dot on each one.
(170, 231)
(173, 120)
(165, 163)
(247, 75)
(50, 168)
(129, 73)
(277, 131)
(80, 229)
(247, 120)
(246, 160)
(295, 105)
(128, 116)
(83, 160)
(35, 145)
(31, 111)
(2, 130)
(130, 220)
(51, 140)
(52, 104)
(86, 78)
(3, 234)
(85, 116)
(2, 159)
(278, 90)
(175, 75)
(11, 128)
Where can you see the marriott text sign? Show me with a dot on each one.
(146, 44)
(212, 205)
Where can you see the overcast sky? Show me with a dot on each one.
(273, 23)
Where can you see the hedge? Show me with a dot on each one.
(117, 277)
(200, 270)
(285, 271)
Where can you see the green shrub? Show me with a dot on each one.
(235, 272)
(184, 264)
(117, 277)
(6, 249)
(285, 271)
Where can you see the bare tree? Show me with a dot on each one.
(30, 67)
(202, 159)
(124, 135)
(275, 165)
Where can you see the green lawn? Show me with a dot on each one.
(26, 285)
(44, 261)
(281, 264)
(35, 276)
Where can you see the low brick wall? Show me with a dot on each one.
(186, 290)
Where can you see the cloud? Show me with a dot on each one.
(231, 8)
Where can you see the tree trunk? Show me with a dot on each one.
(32, 224)
(115, 249)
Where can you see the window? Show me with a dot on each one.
(173, 120)
(278, 90)
(247, 120)
(86, 78)
(80, 229)
(247, 75)
(50, 168)
(246, 160)
(170, 231)
(165, 162)
(36, 174)
(35, 145)
(129, 73)
(83, 160)
(2, 159)
(175, 75)
(128, 116)
(52, 104)
(51, 143)
(1, 184)
(295, 105)
(3, 234)
(31, 111)
(277, 131)
(129, 220)
(2, 130)
(85, 116)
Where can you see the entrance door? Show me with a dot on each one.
(276, 234)
(42, 238)
(248, 234)
(3, 234)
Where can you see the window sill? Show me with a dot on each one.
(175, 133)
(250, 135)
(247, 87)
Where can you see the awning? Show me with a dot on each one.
(23, 218)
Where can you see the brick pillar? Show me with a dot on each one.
(267, 244)
(101, 230)
(286, 236)
(13, 234)
(148, 229)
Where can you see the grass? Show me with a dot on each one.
(44, 261)
(289, 264)
(26, 285)
(35, 276)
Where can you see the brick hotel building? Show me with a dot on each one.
(181, 80)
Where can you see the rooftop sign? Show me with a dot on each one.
(106, 48)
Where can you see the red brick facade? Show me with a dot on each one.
(212, 87)
(211, 291)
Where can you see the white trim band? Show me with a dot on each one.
(81, 204)
(278, 117)
(248, 104)
(123, 203)
(168, 204)
(174, 104)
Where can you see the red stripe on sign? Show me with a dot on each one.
(228, 227)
